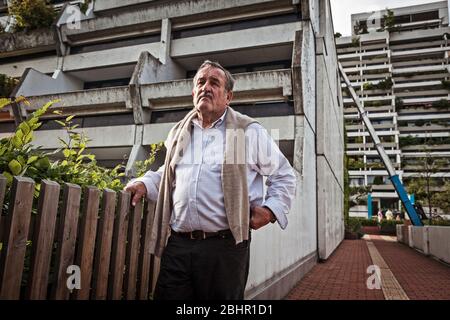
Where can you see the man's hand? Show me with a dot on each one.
(138, 190)
(260, 216)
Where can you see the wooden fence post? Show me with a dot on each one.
(42, 244)
(86, 241)
(119, 246)
(134, 233)
(17, 225)
(144, 254)
(3, 183)
(103, 245)
(66, 239)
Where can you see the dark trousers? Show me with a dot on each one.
(213, 268)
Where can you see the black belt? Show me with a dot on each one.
(201, 235)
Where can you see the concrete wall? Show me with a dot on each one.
(330, 138)
(36, 83)
(439, 242)
(430, 240)
(419, 237)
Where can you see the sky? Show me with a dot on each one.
(342, 9)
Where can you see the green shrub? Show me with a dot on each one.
(353, 224)
(436, 222)
(143, 166)
(31, 14)
(388, 227)
(369, 222)
(18, 157)
(445, 84)
(441, 104)
(368, 86)
(7, 85)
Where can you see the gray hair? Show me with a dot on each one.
(229, 80)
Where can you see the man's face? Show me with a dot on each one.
(209, 94)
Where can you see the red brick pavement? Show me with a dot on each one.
(342, 277)
(421, 277)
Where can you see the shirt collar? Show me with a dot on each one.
(215, 124)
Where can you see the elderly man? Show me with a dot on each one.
(209, 194)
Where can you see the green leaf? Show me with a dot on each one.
(15, 167)
(66, 153)
(24, 127)
(28, 137)
(69, 118)
(8, 176)
(19, 134)
(21, 160)
(17, 142)
(60, 123)
(42, 163)
(32, 159)
(4, 102)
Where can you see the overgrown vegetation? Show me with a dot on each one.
(389, 20)
(143, 166)
(441, 104)
(7, 85)
(385, 84)
(18, 157)
(353, 226)
(355, 42)
(360, 27)
(412, 141)
(445, 84)
(31, 14)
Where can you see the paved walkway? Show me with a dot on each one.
(405, 274)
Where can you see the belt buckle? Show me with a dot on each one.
(195, 235)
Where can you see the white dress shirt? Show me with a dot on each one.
(197, 195)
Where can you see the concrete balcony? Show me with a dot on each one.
(443, 93)
(255, 45)
(418, 69)
(250, 87)
(414, 117)
(22, 43)
(418, 52)
(427, 100)
(85, 102)
(108, 5)
(130, 21)
(421, 147)
(410, 129)
(417, 84)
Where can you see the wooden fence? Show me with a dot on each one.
(107, 241)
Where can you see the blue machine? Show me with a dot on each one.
(410, 210)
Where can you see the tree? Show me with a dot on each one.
(423, 186)
(442, 198)
(389, 20)
(31, 14)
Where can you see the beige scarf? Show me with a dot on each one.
(234, 178)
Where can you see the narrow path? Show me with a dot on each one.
(405, 273)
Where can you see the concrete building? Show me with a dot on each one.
(125, 68)
(399, 67)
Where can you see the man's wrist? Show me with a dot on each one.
(273, 218)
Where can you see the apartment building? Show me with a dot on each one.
(125, 68)
(397, 61)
